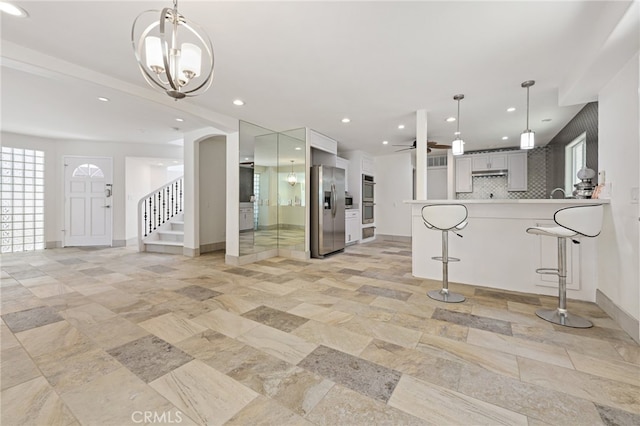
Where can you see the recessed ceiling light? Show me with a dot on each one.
(180, 119)
(346, 120)
(238, 102)
(13, 10)
(400, 126)
(385, 142)
(450, 119)
(103, 99)
(456, 133)
(511, 109)
(246, 158)
(504, 138)
(546, 120)
(298, 148)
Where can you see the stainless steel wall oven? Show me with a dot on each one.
(367, 189)
(368, 198)
(367, 213)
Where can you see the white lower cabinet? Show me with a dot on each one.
(352, 226)
(246, 218)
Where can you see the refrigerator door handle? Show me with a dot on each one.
(334, 199)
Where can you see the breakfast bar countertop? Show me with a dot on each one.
(497, 252)
(571, 201)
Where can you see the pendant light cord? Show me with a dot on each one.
(458, 126)
(527, 107)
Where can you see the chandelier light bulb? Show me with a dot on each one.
(190, 60)
(153, 52)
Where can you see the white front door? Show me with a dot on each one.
(88, 201)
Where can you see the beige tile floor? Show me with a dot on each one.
(115, 337)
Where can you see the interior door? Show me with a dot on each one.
(88, 201)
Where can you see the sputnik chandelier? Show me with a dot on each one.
(174, 54)
(292, 179)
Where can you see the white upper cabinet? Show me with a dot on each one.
(464, 182)
(517, 177)
(322, 142)
(483, 162)
(368, 165)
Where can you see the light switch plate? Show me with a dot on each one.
(602, 176)
(634, 195)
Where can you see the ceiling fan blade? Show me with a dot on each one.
(408, 146)
(406, 149)
(438, 146)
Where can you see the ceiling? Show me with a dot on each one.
(298, 64)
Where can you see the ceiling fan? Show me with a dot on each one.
(430, 145)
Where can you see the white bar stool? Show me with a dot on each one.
(445, 218)
(577, 221)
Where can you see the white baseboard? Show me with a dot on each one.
(399, 238)
(207, 248)
(621, 317)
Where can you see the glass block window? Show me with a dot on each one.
(22, 199)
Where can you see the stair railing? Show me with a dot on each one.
(157, 207)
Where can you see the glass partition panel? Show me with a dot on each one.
(272, 189)
(258, 211)
(291, 189)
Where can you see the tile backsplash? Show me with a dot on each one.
(485, 186)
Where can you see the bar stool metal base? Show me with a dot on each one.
(444, 295)
(563, 318)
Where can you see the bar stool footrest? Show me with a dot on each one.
(449, 259)
(563, 318)
(548, 271)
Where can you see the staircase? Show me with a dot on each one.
(161, 221)
(168, 238)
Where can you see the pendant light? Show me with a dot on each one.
(291, 177)
(174, 54)
(527, 138)
(457, 146)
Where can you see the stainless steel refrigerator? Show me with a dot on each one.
(327, 210)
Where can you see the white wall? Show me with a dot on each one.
(394, 174)
(618, 156)
(137, 175)
(54, 173)
(213, 188)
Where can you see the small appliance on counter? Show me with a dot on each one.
(585, 188)
(348, 201)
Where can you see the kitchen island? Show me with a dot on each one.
(497, 252)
